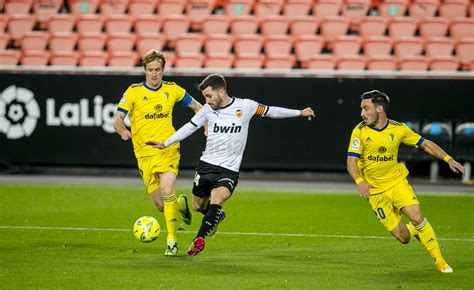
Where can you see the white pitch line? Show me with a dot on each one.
(226, 233)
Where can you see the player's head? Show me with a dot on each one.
(153, 63)
(214, 90)
(374, 105)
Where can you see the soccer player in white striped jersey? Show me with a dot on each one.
(217, 172)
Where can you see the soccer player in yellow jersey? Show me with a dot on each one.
(150, 105)
(372, 162)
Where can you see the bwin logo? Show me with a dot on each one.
(19, 112)
(227, 129)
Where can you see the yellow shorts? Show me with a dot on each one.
(388, 204)
(151, 166)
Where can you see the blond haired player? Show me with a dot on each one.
(150, 105)
(372, 163)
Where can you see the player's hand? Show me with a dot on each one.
(307, 113)
(156, 144)
(456, 166)
(126, 135)
(364, 189)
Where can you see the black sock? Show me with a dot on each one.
(206, 209)
(210, 220)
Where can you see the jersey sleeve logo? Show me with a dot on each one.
(355, 144)
(261, 109)
(122, 100)
(238, 113)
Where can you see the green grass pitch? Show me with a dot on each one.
(80, 237)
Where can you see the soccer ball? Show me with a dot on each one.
(146, 229)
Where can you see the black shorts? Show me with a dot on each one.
(210, 176)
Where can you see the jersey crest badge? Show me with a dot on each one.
(392, 137)
(167, 95)
(238, 113)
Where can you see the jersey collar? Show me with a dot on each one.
(151, 89)
(229, 104)
(381, 129)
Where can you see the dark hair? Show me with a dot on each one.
(215, 81)
(378, 99)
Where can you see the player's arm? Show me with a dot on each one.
(194, 105)
(353, 169)
(433, 149)
(119, 125)
(280, 113)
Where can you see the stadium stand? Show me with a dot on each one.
(442, 134)
(464, 146)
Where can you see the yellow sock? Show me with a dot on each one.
(412, 229)
(429, 240)
(171, 211)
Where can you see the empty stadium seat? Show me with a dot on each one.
(444, 63)
(235, 8)
(219, 61)
(62, 41)
(304, 25)
(465, 51)
(148, 41)
(346, 45)
(392, 8)
(439, 46)
(421, 9)
(453, 8)
(4, 40)
(463, 145)
(147, 24)
(434, 27)
(249, 44)
(189, 43)
(272, 25)
(377, 46)
(333, 26)
(462, 27)
(34, 58)
(170, 57)
(34, 40)
(3, 22)
(405, 46)
(80, 7)
(61, 23)
(381, 62)
(245, 24)
(137, 8)
(249, 61)
(351, 62)
(218, 44)
(324, 8)
(122, 59)
(90, 23)
(264, 8)
(413, 63)
(91, 42)
(306, 46)
(373, 26)
(9, 57)
(278, 45)
(63, 58)
(174, 25)
(279, 61)
(44, 10)
(189, 60)
(93, 59)
(113, 7)
(295, 8)
(439, 132)
(19, 25)
(402, 27)
(216, 24)
(18, 7)
(198, 10)
(355, 11)
(117, 42)
(118, 24)
(322, 62)
(171, 7)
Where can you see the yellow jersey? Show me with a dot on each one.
(151, 113)
(377, 150)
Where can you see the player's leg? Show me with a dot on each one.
(201, 204)
(184, 210)
(427, 236)
(401, 233)
(171, 210)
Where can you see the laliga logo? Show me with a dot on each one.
(19, 112)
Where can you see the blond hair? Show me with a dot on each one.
(152, 55)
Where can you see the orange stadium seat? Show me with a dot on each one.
(295, 8)
(18, 7)
(218, 44)
(248, 44)
(402, 27)
(322, 61)
(278, 45)
(381, 62)
(147, 24)
(333, 26)
(444, 63)
(439, 46)
(422, 9)
(174, 25)
(62, 41)
(61, 23)
(118, 24)
(264, 8)
(45, 9)
(189, 60)
(198, 10)
(91, 42)
(346, 45)
(453, 8)
(304, 25)
(64, 58)
(122, 59)
(377, 46)
(249, 61)
(171, 7)
(351, 62)
(219, 61)
(434, 27)
(462, 27)
(34, 58)
(147, 41)
(244, 24)
(272, 25)
(189, 43)
(9, 57)
(306, 46)
(465, 51)
(138, 8)
(235, 8)
(216, 24)
(34, 40)
(413, 63)
(355, 11)
(170, 57)
(90, 23)
(373, 26)
(118, 42)
(392, 8)
(3, 22)
(4, 40)
(279, 61)
(113, 7)
(324, 8)
(19, 25)
(406, 46)
(80, 7)
(93, 59)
